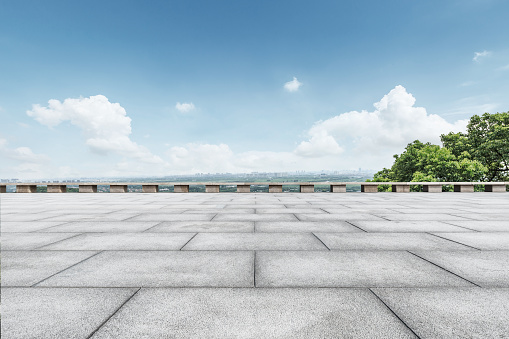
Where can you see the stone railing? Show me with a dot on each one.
(245, 187)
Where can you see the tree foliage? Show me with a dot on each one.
(481, 154)
(486, 141)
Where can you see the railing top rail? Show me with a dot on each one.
(266, 183)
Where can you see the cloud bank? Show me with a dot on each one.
(184, 107)
(366, 139)
(105, 125)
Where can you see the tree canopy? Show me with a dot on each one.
(480, 154)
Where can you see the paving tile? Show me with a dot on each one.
(329, 217)
(423, 217)
(406, 226)
(486, 216)
(49, 313)
(386, 242)
(254, 313)
(102, 226)
(26, 226)
(174, 217)
(255, 217)
(30, 241)
(483, 226)
(481, 240)
(451, 312)
(25, 268)
(160, 268)
(305, 226)
(254, 241)
(204, 226)
(289, 210)
(90, 216)
(349, 269)
(229, 211)
(123, 241)
(484, 268)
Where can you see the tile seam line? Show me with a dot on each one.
(320, 240)
(457, 242)
(394, 313)
(79, 262)
(188, 241)
(470, 229)
(148, 229)
(445, 269)
(56, 242)
(355, 227)
(113, 314)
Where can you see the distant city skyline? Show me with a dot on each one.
(125, 89)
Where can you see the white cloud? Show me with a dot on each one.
(105, 125)
(504, 68)
(292, 86)
(479, 55)
(21, 154)
(393, 124)
(184, 107)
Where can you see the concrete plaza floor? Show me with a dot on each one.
(255, 265)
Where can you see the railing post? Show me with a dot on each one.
(150, 188)
(430, 188)
(243, 188)
(369, 188)
(118, 188)
(87, 188)
(464, 188)
(307, 188)
(338, 188)
(212, 188)
(3, 189)
(26, 188)
(181, 188)
(275, 188)
(401, 188)
(498, 187)
(56, 188)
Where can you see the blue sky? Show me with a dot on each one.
(125, 66)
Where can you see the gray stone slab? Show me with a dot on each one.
(102, 226)
(123, 241)
(406, 226)
(174, 217)
(28, 217)
(451, 313)
(256, 217)
(30, 241)
(481, 240)
(92, 217)
(230, 211)
(387, 242)
(349, 269)
(486, 216)
(160, 269)
(423, 217)
(484, 268)
(289, 210)
(26, 226)
(25, 268)
(49, 313)
(254, 313)
(254, 241)
(204, 226)
(304, 226)
(329, 217)
(483, 226)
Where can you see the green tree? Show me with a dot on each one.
(425, 162)
(486, 141)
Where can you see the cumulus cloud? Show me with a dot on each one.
(293, 86)
(105, 125)
(184, 107)
(393, 124)
(21, 154)
(479, 55)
